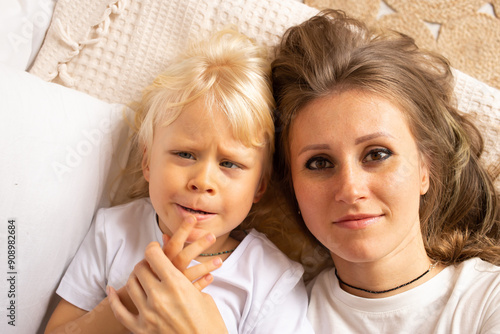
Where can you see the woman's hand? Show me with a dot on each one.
(161, 287)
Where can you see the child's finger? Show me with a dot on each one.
(182, 260)
(203, 282)
(159, 265)
(166, 239)
(121, 313)
(141, 281)
(202, 269)
(176, 242)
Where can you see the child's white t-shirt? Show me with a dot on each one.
(257, 290)
(463, 299)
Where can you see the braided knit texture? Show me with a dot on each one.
(112, 49)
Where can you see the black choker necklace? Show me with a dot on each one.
(388, 290)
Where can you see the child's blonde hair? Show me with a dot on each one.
(232, 74)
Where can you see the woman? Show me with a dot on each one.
(385, 173)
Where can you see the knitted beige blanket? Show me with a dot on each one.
(467, 32)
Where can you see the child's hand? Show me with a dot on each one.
(181, 256)
(166, 301)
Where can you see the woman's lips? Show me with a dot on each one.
(356, 222)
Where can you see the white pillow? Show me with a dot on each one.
(23, 24)
(61, 151)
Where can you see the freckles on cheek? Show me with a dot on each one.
(397, 179)
(308, 203)
(400, 190)
(299, 191)
(407, 168)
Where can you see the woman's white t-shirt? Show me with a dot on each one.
(462, 299)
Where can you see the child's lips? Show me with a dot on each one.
(197, 213)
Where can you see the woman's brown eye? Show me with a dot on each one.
(318, 163)
(378, 155)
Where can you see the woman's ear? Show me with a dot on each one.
(424, 177)
(261, 189)
(145, 165)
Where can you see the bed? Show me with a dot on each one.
(67, 71)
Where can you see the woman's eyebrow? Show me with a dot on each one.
(314, 147)
(357, 141)
(372, 136)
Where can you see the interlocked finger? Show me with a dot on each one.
(198, 271)
(203, 282)
(136, 291)
(191, 251)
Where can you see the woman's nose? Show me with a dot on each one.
(349, 184)
(203, 178)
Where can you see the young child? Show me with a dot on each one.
(206, 136)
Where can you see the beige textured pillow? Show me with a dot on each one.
(112, 49)
(483, 103)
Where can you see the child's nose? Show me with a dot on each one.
(203, 179)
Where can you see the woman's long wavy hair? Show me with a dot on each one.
(331, 53)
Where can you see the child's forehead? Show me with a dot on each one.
(195, 115)
(197, 138)
(198, 116)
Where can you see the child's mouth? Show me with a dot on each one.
(199, 212)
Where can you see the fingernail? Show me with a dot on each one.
(217, 261)
(210, 237)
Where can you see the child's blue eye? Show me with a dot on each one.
(318, 163)
(185, 155)
(228, 164)
(378, 154)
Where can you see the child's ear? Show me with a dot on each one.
(260, 191)
(145, 165)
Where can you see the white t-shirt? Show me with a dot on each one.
(463, 299)
(257, 289)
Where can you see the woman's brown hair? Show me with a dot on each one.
(331, 53)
